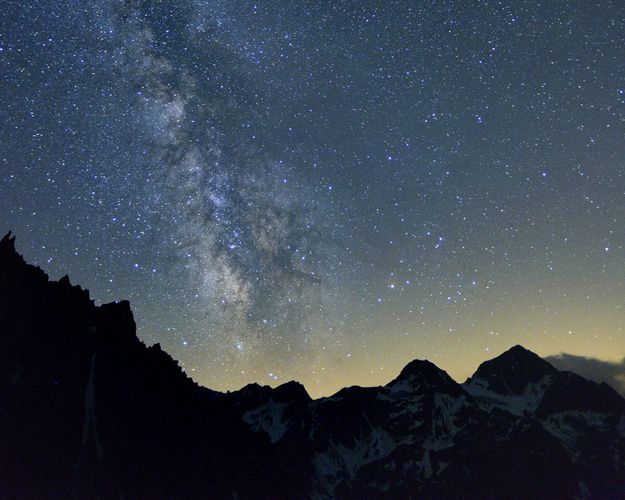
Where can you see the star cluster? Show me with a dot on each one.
(323, 191)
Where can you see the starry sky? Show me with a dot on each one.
(324, 190)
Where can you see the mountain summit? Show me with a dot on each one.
(511, 372)
(89, 411)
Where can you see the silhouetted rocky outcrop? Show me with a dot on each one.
(88, 411)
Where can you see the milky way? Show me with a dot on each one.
(323, 191)
(242, 224)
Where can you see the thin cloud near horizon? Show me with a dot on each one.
(612, 373)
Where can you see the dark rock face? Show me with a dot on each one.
(510, 373)
(88, 411)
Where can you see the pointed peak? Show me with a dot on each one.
(252, 394)
(8, 240)
(421, 374)
(7, 244)
(513, 370)
(519, 350)
(519, 354)
(10, 258)
(421, 368)
(291, 391)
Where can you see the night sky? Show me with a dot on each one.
(325, 190)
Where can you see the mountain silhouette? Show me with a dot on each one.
(89, 411)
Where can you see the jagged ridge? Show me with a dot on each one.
(90, 411)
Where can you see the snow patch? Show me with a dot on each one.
(268, 418)
(403, 386)
(426, 464)
(444, 428)
(584, 492)
(377, 445)
(527, 402)
(411, 406)
(569, 426)
(339, 460)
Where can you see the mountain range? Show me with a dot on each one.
(89, 411)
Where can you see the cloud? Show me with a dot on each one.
(613, 373)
